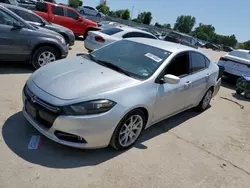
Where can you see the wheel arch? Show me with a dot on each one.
(42, 45)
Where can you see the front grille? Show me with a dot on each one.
(41, 111)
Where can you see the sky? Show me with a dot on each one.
(227, 16)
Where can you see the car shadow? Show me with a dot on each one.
(15, 68)
(240, 97)
(229, 83)
(17, 132)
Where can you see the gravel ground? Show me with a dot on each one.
(211, 149)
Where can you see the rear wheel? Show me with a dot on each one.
(247, 95)
(44, 55)
(239, 91)
(128, 130)
(203, 105)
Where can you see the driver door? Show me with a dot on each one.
(173, 98)
(13, 41)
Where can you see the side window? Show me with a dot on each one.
(57, 11)
(72, 14)
(41, 7)
(179, 66)
(6, 19)
(27, 16)
(198, 62)
(133, 34)
(207, 62)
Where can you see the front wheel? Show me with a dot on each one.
(44, 55)
(203, 105)
(128, 130)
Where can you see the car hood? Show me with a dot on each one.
(47, 31)
(79, 77)
(57, 28)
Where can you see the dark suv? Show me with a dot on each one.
(23, 42)
(181, 39)
(36, 20)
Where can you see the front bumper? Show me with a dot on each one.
(64, 51)
(71, 40)
(96, 130)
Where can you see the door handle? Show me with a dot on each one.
(187, 83)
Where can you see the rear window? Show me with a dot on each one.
(111, 31)
(240, 54)
(42, 7)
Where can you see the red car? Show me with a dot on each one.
(65, 16)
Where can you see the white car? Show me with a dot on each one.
(90, 11)
(98, 39)
(108, 97)
(236, 63)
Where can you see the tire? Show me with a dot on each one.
(47, 51)
(239, 91)
(205, 101)
(247, 95)
(117, 141)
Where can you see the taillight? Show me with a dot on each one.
(99, 39)
(223, 59)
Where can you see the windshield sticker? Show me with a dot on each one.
(153, 57)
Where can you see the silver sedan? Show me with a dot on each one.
(108, 97)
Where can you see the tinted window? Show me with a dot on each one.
(140, 60)
(207, 62)
(179, 66)
(42, 7)
(57, 11)
(6, 19)
(72, 14)
(111, 31)
(27, 16)
(198, 62)
(240, 54)
(138, 34)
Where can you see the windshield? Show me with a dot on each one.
(139, 60)
(240, 54)
(111, 31)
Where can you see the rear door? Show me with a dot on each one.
(200, 77)
(14, 42)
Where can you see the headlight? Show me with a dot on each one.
(90, 107)
(61, 39)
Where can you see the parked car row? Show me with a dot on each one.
(23, 42)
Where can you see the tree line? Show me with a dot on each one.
(183, 24)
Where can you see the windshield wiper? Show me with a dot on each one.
(109, 65)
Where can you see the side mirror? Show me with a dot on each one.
(17, 25)
(171, 79)
(79, 19)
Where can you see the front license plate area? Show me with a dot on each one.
(30, 109)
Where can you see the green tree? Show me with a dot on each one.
(244, 45)
(184, 24)
(80, 3)
(136, 20)
(125, 14)
(73, 3)
(145, 17)
(103, 9)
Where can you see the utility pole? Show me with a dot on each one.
(132, 12)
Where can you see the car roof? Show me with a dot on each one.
(14, 7)
(169, 46)
(242, 50)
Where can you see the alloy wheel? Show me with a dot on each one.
(130, 130)
(45, 58)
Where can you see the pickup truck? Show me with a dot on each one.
(65, 16)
